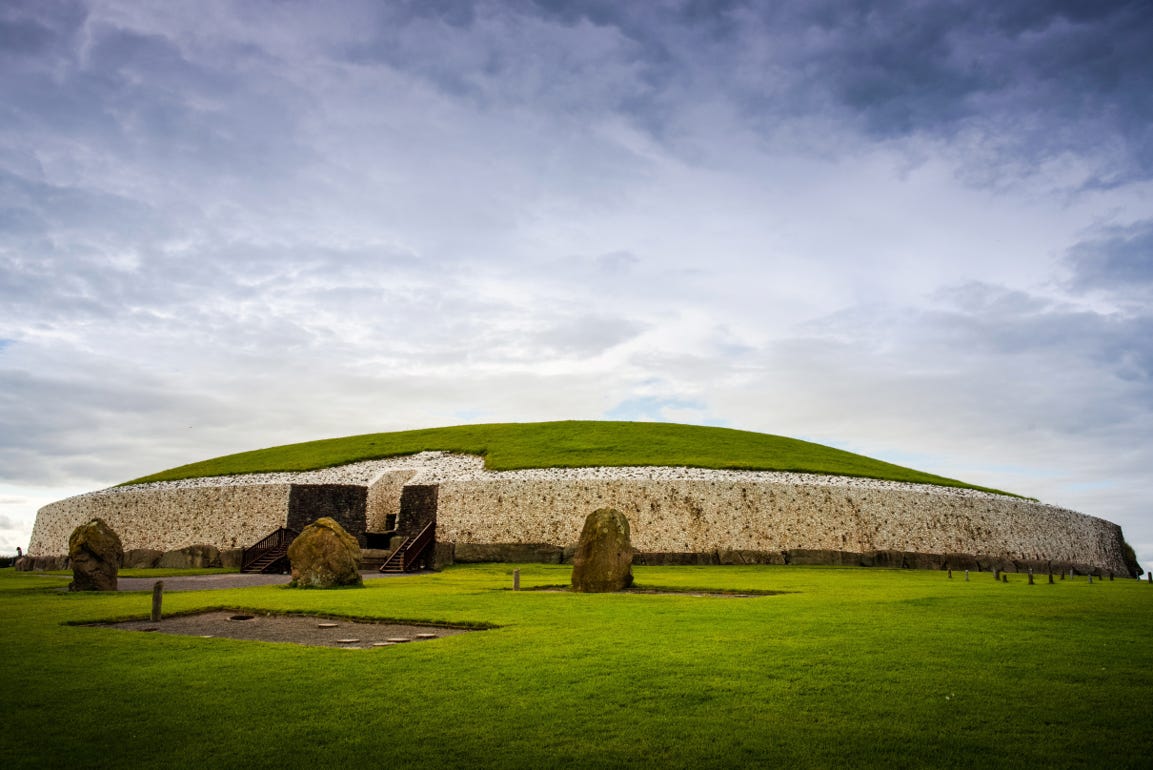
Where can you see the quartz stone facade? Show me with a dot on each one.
(671, 511)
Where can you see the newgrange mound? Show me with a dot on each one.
(520, 492)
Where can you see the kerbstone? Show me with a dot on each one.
(191, 557)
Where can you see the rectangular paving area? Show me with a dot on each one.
(295, 629)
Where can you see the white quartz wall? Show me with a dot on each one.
(166, 517)
(702, 516)
(670, 509)
(384, 497)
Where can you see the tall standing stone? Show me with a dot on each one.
(604, 557)
(95, 553)
(324, 555)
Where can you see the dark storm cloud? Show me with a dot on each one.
(1028, 80)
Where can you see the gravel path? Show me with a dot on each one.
(210, 582)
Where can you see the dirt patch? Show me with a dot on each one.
(309, 630)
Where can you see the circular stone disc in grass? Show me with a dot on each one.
(327, 625)
(383, 644)
(426, 636)
(347, 641)
(399, 639)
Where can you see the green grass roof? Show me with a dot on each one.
(569, 444)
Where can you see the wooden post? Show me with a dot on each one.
(1149, 576)
(1050, 577)
(516, 580)
(996, 573)
(1004, 577)
(966, 576)
(950, 573)
(1090, 578)
(1031, 576)
(157, 598)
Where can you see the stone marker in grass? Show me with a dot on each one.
(603, 561)
(95, 553)
(157, 600)
(324, 555)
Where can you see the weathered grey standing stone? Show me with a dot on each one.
(324, 555)
(604, 557)
(95, 552)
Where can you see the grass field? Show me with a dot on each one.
(850, 668)
(570, 444)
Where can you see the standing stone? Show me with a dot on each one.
(324, 555)
(604, 557)
(95, 553)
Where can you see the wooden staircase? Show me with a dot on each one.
(411, 551)
(270, 554)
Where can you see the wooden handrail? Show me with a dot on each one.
(419, 544)
(409, 550)
(279, 538)
(397, 553)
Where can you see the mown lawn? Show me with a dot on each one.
(851, 668)
(568, 444)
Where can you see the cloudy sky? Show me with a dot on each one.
(922, 231)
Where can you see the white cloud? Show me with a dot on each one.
(233, 226)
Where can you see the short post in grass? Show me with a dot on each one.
(1050, 577)
(1110, 576)
(1149, 576)
(157, 598)
(997, 573)
(1004, 577)
(950, 573)
(966, 576)
(516, 580)
(1031, 576)
(1090, 578)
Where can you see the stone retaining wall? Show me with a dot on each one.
(384, 498)
(165, 518)
(671, 511)
(716, 516)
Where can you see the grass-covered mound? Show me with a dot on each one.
(569, 444)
